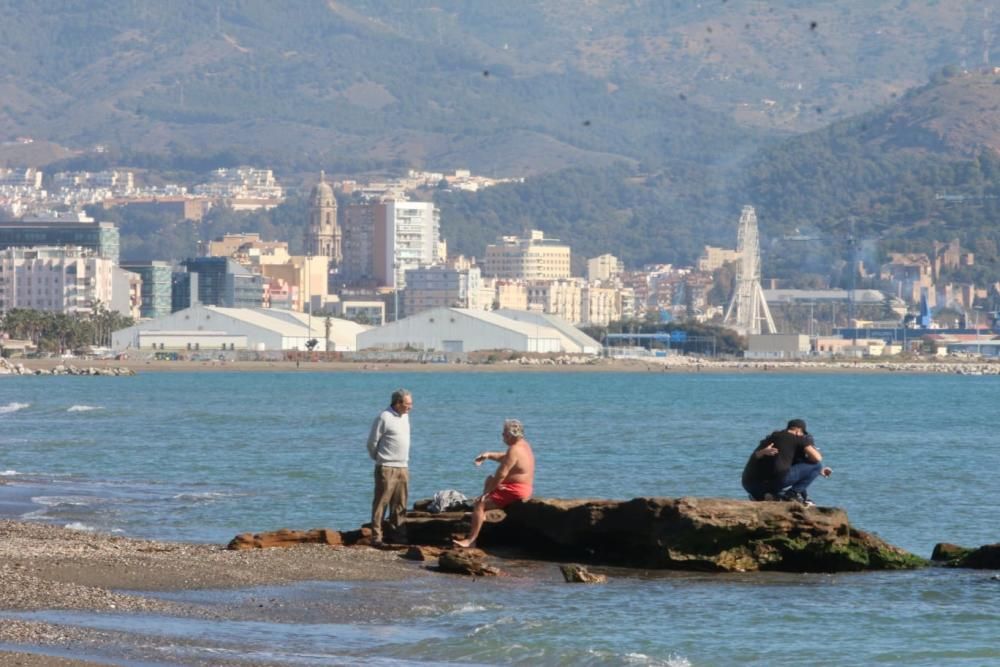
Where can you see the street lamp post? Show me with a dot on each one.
(395, 291)
(979, 347)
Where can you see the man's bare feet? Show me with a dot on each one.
(464, 544)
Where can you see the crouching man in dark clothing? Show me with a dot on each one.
(783, 466)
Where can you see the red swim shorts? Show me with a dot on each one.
(505, 494)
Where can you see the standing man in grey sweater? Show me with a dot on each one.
(389, 447)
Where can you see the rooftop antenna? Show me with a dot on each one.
(748, 309)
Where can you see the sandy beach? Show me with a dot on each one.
(51, 568)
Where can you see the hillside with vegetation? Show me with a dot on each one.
(329, 85)
(512, 88)
(923, 168)
(642, 127)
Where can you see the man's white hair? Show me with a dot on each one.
(514, 427)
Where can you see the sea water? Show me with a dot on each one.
(203, 456)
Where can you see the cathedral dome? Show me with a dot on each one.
(322, 194)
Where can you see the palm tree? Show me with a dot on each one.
(62, 331)
(24, 324)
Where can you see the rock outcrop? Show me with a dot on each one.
(986, 557)
(10, 368)
(578, 574)
(423, 553)
(466, 561)
(441, 528)
(285, 538)
(706, 534)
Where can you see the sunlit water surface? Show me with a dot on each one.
(204, 456)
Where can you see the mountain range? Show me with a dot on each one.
(512, 88)
(658, 118)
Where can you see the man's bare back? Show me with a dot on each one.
(522, 463)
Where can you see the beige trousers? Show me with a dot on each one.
(391, 488)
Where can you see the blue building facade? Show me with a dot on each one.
(224, 282)
(102, 238)
(156, 287)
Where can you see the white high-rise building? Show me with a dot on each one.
(407, 236)
(604, 267)
(57, 279)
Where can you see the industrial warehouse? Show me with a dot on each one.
(205, 328)
(466, 330)
(212, 328)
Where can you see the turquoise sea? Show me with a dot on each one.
(203, 456)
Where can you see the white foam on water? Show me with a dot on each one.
(643, 659)
(205, 495)
(13, 407)
(82, 527)
(75, 501)
(635, 658)
(9, 473)
(84, 408)
(503, 620)
(468, 608)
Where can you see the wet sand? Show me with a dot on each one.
(46, 568)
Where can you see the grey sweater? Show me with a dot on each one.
(389, 440)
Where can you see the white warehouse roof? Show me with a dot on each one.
(467, 330)
(262, 328)
(574, 338)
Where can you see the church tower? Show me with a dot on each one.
(323, 235)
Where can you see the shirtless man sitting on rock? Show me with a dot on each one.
(512, 481)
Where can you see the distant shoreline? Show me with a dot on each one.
(650, 365)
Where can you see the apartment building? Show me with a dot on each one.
(510, 294)
(713, 258)
(600, 305)
(443, 286)
(29, 179)
(407, 236)
(604, 268)
(530, 258)
(64, 279)
(305, 277)
(357, 266)
(563, 297)
(243, 247)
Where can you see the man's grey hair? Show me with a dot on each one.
(399, 395)
(514, 427)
